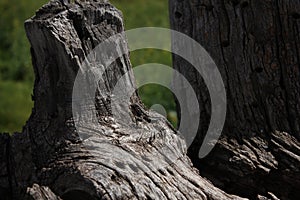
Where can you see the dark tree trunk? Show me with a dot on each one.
(256, 46)
(48, 160)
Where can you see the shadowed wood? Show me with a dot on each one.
(256, 46)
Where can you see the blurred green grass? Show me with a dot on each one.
(16, 74)
(15, 105)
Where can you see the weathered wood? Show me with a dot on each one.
(37, 192)
(143, 159)
(256, 45)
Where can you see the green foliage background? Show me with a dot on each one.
(16, 73)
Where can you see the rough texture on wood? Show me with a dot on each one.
(256, 45)
(144, 159)
(37, 192)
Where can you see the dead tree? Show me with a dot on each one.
(48, 159)
(256, 45)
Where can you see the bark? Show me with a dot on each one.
(256, 46)
(37, 192)
(49, 160)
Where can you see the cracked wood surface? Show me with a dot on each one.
(144, 159)
(256, 46)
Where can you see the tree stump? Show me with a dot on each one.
(143, 159)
